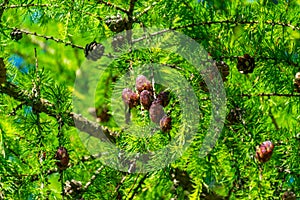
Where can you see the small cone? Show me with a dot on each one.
(246, 64)
(165, 124)
(142, 83)
(146, 99)
(130, 98)
(264, 151)
(62, 158)
(156, 112)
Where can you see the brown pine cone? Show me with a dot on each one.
(62, 157)
(246, 64)
(142, 83)
(223, 68)
(94, 51)
(264, 151)
(156, 112)
(146, 99)
(116, 23)
(289, 195)
(163, 98)
(130, 98)
(165, 123)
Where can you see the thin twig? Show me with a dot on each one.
(270, 95)
(145, 11)
(131, 8)
(93, 178)
(138, 186)
(13, 112)
(94, 15)
(119, 184)
(232, 57)
(48, 38)
(236, 22)
(112, 5)
(274, 120)
(29, 5)
(135, 180)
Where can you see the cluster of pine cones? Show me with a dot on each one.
(145, 97)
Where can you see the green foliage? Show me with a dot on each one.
(37, 114)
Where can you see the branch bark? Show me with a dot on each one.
(43, 105)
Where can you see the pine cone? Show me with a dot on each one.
(116, 23)
(264, 151)
(146, 99)
(94, 51)
(16, 34)
(235, 116)
(297, 82)
(246, 64)
(165, 123)
(156, 112)
(118, 42)
(130, 98)
(72, 187)
(163, 98)
(142, 83)
(289, 195)
(223, 68)
(63, 158)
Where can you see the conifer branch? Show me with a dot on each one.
(96, 173)
(270, 95)
(55, 170)
(119, 185)
(94, 15)
(49, 38)
(217, 22)
(29, 5)
(113, 5)
(272, 23)
(231, 57)
(131, 8)
(141, 182)
(261, 58)
(145, 11)
(43, 105)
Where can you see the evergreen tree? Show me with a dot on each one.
(149, 99)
